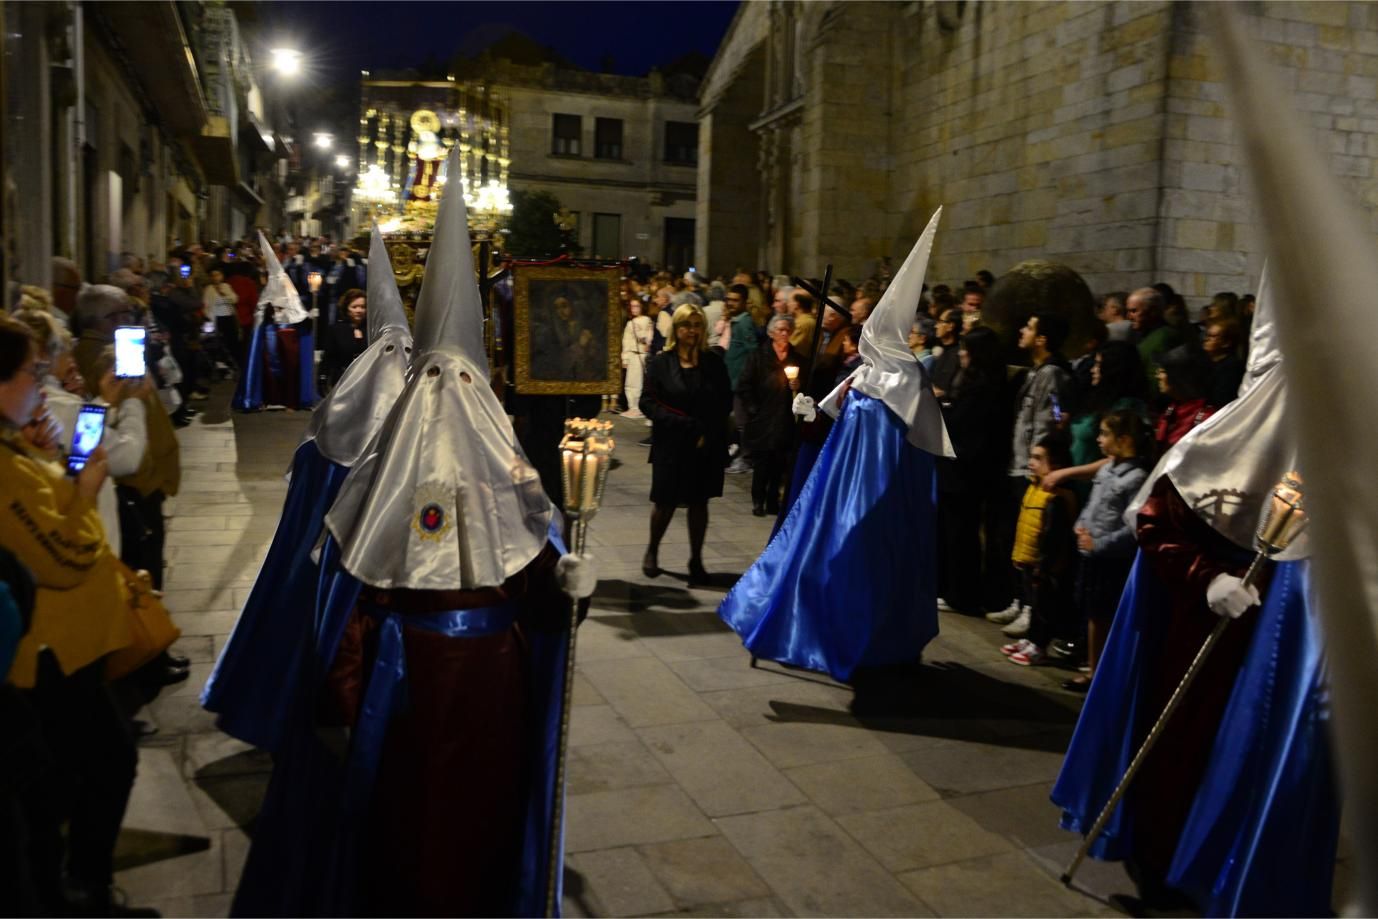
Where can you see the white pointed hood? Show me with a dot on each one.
(889, 370)
(1325, 274)
(1226, 467)
(353, 412)
(444, 499)
(279, 291)
(449, 310)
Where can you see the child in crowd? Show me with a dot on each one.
(1104, 539)
(1043, 553)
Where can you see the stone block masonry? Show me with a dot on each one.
(1094, 133)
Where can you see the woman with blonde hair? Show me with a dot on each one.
(688, 398)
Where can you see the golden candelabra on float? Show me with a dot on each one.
(406, 131)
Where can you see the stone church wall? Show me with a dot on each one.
(1093, 133)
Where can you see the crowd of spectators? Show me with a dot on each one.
(1049, 450)
(77, 548)
(1031, 529)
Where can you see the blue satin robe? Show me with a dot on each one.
(248, 392)
(303, 860)
(849, 580)
(269, 649)
(1261, 835)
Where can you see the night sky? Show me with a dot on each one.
(340, 39)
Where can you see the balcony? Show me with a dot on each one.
(161, 56)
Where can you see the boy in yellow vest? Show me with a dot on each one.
(1044, 552)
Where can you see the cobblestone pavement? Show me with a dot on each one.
(697, 784)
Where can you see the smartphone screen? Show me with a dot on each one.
(129, 351)
(208, 327)
(90, 427)
(186, 271)
(1057, 409)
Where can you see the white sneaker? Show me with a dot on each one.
(738, 466)
(1020, 626)
(1006, 615)
(633, 413)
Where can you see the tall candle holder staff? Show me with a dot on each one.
(1243, 771)
(585, 458)
(1285, 521)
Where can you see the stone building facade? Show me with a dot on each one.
(619, 152)
(1092, 133)
(128, 127)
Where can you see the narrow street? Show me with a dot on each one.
(697, 784)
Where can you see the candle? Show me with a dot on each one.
(590, 483)
(314, 280)
(792, 373)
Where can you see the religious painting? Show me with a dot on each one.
(568, 328)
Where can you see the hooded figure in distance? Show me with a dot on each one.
(848, 581)
(279, 369)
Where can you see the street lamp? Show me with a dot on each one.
(286, 61)
(324, 139)
(342, 161)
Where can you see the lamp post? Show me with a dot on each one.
(585, 457)
(1284, 522)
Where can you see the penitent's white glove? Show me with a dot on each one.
(577, 575)
(1227, 596)
(803, 406)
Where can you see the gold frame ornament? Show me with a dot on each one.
(586, 293)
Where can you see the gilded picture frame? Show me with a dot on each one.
(568, 328)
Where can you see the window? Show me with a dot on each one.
(565, 131)
(679, 242)
(607, 138)
(682, 142)
(607, 235)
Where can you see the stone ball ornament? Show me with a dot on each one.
(1038, 286)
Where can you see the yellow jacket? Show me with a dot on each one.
(1029, 528)
(81, 608)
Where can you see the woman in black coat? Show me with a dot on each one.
(688, 398)
(977, 416)
(346, 339)
(767, 392)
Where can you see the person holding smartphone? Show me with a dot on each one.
(50, 522)
(102, 309)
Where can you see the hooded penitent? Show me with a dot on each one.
(261, 666)
(445, 498)
(889, 370)
(1227, 467)
(279, 292)
(848, 582)
(345, 423)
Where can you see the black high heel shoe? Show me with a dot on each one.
(698, 575)
(650, 565)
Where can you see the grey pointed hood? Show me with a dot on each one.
(385, 309)
(449, 310)
(351, 415)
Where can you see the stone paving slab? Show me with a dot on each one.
(698, 785)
